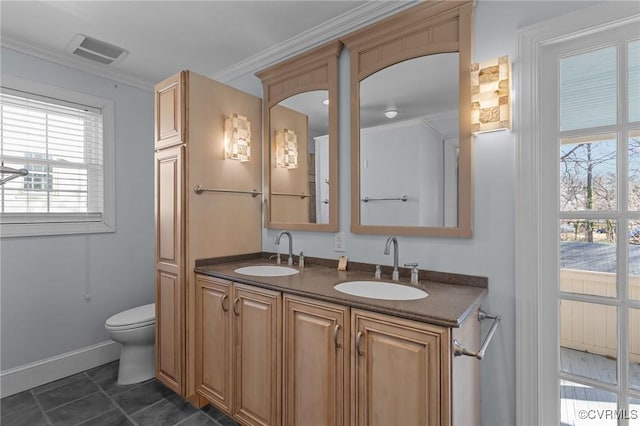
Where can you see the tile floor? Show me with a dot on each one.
(93, 398)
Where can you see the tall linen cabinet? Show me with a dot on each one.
(190, 113)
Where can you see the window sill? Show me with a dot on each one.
(13, 230)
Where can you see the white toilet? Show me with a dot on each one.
(134, 329)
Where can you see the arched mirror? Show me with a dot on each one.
(301, 141)
(410, 123)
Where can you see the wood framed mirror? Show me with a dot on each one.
(301, 141)
(411, 142)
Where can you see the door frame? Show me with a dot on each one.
(537, 340)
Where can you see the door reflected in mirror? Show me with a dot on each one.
(409, 143)
(299, 163)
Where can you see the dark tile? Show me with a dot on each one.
(110, 418)
(142, 396)
(227, 421)
(66, 393)
(31, 416)
(167, 412)
(80, 410)
(212, 411)
(199, 419)
(16, 402)
(58, 383)
(111, 386)
(104, 372)
(218, 416)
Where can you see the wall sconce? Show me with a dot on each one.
(491, 95)
(237, 137)
(286, 149)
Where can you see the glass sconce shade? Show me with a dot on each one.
(237, 137)
(491, 95)
(286, 149)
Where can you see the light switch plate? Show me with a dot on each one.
(339, 242)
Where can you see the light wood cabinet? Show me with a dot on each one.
(400, 371)
(169, 266)
(257, 355)
(169, 111)
(316, 362)
(239, 350)
(190, 111)
(268, 359)
(214, 341)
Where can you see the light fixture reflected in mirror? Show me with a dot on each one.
(237, 137)
(286, 149)
(391, 113)
(491, 95)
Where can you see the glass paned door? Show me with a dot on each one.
(592, 133)
(580, 398)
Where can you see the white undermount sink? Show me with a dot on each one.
(266, 271)
(381, 290)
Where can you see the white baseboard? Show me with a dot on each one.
(27, 376)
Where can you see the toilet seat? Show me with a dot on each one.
(141, 316)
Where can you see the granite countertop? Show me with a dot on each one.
(447, 305)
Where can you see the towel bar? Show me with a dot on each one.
(198, 189)
(459, 349)
(403, 199)
(292, 194)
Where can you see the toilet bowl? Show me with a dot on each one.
(134, 329)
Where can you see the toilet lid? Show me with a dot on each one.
(141, 316)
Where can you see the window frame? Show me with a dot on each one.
(537, 396)
(70, 227)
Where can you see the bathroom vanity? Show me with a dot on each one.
(293, 350)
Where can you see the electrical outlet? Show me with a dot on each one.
(339, 242)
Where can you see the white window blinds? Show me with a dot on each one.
(588, 89)
(61, 145)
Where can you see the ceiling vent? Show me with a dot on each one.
(96, 50)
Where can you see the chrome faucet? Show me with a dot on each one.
(288, 234)
(395, 275)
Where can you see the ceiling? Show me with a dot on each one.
(219, 39)
(420, 88)
(222, 40)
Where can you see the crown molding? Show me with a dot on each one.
(64, 59)
(349, 21)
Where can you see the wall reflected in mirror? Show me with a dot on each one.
(299, 175)
(409, 159)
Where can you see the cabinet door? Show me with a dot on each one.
(257, 356)
(400, 371)
(316, 363)
(169, 111)
(214, 341)
(169, 267)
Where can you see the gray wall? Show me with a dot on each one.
(491, 251)
(43, 279)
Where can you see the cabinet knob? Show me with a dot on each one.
(358, 338)
(336, 330)
(225, 307)
(235, 307)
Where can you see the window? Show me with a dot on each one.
(63, 140)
